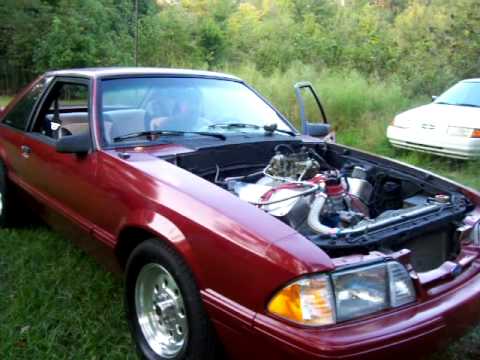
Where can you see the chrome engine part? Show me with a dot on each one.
(296, 165)
(295, 189)
(360, 188)
(276, 201)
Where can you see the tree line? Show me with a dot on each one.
(423, 44)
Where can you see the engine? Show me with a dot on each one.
(304, 191)
(345, 202)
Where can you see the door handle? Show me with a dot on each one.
(26, 151)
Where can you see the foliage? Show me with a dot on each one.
(166, 39)
(84, 33)
(348, 96)
(426, 45)
(212, 41)
(4, 100)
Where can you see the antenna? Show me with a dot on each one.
(136, 33)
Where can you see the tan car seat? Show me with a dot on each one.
(123, 122)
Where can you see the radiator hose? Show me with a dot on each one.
(314, 216)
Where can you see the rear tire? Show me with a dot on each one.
(163, 305)
(6, 203)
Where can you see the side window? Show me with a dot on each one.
(19, 115)
(71, 96)
(65, 111)
(313, 113)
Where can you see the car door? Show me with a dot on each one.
(312, 114)
(65, 184)
(14, 123)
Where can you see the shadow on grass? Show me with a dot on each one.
(56, 301)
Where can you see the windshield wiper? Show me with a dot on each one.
(469, 105)
(166, 132)
(269, 129)
(457, 104)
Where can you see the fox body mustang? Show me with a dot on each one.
(238, 235)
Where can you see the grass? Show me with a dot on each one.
(57, 303)
(4, 100)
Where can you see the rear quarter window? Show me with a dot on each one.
(18, 116)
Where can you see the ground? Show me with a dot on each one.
(56, 300)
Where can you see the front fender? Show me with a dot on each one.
(150, 221)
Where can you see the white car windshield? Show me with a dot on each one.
(465, 93)
(183, 104)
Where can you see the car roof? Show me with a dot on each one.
(471, 80)
(106, 72)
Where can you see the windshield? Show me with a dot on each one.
(138, 105)
(463, 93)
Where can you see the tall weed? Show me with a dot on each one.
(350, 99)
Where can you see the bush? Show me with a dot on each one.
(350, 98)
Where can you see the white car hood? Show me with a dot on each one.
(439, 117)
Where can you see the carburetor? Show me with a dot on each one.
(296, 165)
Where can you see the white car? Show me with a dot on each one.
(449, 126)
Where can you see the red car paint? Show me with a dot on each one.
(240, 255)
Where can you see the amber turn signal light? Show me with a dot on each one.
(308, 301)
(475, 133)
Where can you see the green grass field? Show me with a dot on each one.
(4, 100)
(57, 303)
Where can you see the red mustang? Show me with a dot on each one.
(234, 230)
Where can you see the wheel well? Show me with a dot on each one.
(128, 240)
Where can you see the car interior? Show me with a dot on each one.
(65, 112)
(121, 122)
(155, 113)
(75, 123)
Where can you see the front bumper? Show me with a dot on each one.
(414, 331)
(434, 143)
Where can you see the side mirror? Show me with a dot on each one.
(75, 144)
(434, 97)
(318, 129)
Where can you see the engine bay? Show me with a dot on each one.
(343, 203)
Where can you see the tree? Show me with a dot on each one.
(167, 39)
(212, 40)
(86, 33)
(243, 31)
(321, 9)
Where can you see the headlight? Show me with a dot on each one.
(474, 235)
(362, 292)
(463, 132)
(400, 285)
(344, 295)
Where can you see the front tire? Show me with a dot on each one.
(163, 306)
